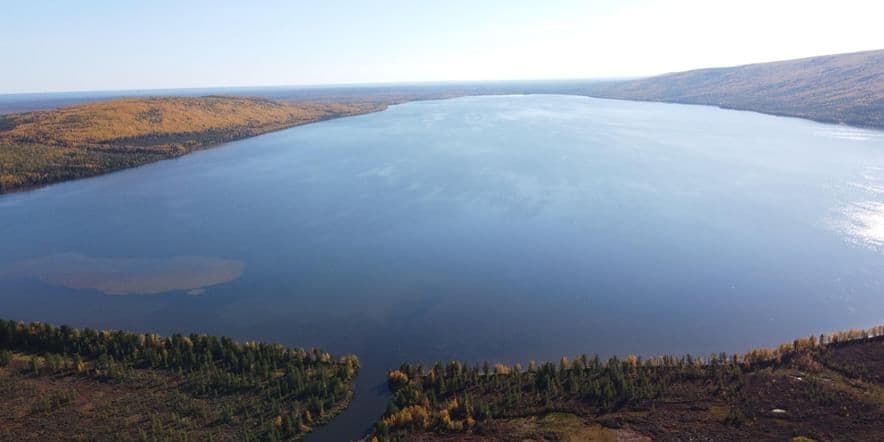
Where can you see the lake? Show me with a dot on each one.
(502, 228)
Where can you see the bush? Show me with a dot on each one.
(5, 358)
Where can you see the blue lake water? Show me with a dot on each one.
(482, 228)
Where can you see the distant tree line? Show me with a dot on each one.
(38, 148)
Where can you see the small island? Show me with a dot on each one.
(62, 383)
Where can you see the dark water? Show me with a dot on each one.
(501, 228)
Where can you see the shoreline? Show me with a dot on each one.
(753, 363)
(745, 109)
(374, 107)
(822, 387)
(380, 105)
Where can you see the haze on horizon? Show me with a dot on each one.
(110, 45)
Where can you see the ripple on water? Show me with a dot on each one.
(864, 224)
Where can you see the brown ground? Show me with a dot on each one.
(843, 88)
(836, 396)
(55, 407)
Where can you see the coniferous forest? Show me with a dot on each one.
(442, 221)
(44, 147)
(63, 382)
(829, 387)
(149, 387)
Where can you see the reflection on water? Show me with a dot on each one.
(481, 228)
(849, 133)
(862, 220)
(865, 223)
(128, 276)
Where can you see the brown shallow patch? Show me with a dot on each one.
(126, 276)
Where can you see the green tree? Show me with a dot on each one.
(5, 358)
(34, 365)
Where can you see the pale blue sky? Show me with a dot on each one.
(107, 45)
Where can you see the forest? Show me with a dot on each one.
(44, 147)
(88, 139)
(822, 388)
(116, 384)
(69, 383)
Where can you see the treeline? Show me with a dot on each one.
(461, 397)
(38, 148)
(31, 165)
(282, 391)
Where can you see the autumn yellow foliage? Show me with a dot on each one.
(111, 120)
(89, 139)
(397, 378)
(414, 416)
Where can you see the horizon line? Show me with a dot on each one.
(416, 82)
(319, 85)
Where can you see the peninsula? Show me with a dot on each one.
(64, 383)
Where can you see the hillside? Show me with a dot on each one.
(844, 88)
(81, 140)
(62, 383)
(39, 148)
(826, 388)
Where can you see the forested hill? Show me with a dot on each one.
(89, 139)
(43, 147)
(844, 88)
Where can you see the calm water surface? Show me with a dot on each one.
(500, 228)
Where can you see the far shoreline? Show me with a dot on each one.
(372, 104)
(28, 189)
